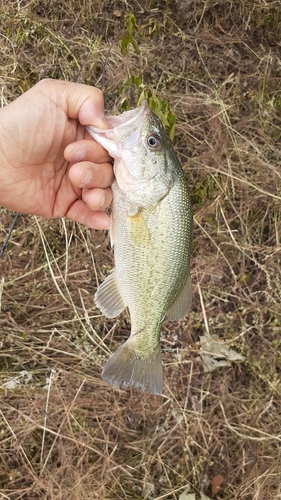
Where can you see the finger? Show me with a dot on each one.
(97, 199)
(86, 150)
(79, 212)
(91, 175)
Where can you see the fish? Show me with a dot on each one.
(151, 233)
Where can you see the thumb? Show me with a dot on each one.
(86, 103)
(79, 101)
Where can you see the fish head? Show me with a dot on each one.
(140, 147)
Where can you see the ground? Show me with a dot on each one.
(65, 434)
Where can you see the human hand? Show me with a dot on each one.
(49, 166)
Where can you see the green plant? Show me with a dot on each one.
(160, 107)
(127, 38)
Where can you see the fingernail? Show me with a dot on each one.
(86, 178)
(102, 201)
(102, 123)
(77, 155)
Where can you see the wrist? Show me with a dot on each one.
(4, 141)
(2, 138)
(7, 143)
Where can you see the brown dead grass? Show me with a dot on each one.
(65, 434)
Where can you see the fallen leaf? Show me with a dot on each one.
(204, 497)
(216, 353)
(217, 482)
(187, 496)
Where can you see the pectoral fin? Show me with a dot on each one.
(108, 298)
(182, 304)
(111, 232)
(138, 229)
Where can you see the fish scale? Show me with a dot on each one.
(152, 234)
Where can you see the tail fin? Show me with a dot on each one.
(126, 368)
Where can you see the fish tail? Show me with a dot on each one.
(127, 368)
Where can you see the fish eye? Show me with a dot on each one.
(154, 141)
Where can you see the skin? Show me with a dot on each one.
(49, 165)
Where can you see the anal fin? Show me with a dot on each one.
(182, 304)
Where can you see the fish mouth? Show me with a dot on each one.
(124, 129)
(129, 120)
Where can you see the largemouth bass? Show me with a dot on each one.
(152, 236)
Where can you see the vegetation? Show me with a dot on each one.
(213, 69)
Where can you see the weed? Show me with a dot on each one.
(160, 107)
(127, 38)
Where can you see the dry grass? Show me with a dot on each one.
(66, 435)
